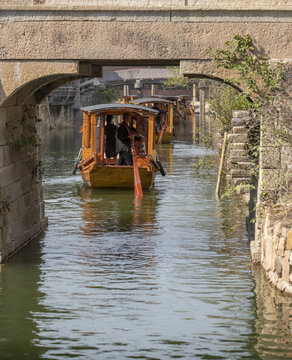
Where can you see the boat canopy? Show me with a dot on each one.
(117, 109)
(151, 100)
(172, 97)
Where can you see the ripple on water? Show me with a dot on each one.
(167, 278)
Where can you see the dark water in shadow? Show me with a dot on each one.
(169, 277)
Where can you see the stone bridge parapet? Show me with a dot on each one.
(46, 43)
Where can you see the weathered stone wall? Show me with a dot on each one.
(276, 255)
(21, 203)
(238, 161)
(235, 4)
(273, 238)
(46, 43)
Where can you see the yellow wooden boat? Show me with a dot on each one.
(126, 99)
(92, 163)
(180, 107)
(167, 118)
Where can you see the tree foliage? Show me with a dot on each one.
(223, 101)
(261, 78)
(176, 80)
(102, 95)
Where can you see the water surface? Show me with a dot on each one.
(169, 277)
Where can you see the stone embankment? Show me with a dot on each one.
(238, 161)
(276, 249)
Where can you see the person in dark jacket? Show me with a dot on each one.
(125, 135)
(158, 117)
(110, 131)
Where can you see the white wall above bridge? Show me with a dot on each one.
(207, 4)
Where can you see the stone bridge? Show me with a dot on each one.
(46, 43)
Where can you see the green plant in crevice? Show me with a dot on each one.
(4, 204)
(38, 170)
(25, 132)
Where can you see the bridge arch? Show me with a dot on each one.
(44, 45)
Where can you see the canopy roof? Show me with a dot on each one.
(118, 109)
(151, 100)
(172, 97)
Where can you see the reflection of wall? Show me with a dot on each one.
(19, 299)
(273, 320)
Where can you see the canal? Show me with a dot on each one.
(169, 277)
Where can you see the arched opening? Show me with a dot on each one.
(22, 163)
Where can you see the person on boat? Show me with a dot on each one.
(110, 131)
(158, 117)
(126, 133)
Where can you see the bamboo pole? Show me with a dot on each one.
(221, 165)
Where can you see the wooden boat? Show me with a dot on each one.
(94, 171)
(180, 108)
(167, 118)
(126, 99)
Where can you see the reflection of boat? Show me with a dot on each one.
(92, 165)
(111, 210)
(166, 116)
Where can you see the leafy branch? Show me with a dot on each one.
(260, 78)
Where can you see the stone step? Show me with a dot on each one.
(238, 181)
(237, 146)
(240, 173)
(239, 130)
(238, 152)
(237, 138)
(238, 159)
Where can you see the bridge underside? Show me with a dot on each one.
(42, 48)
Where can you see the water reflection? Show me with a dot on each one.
(165, 278)
(111, 210)
(273, 320)
(19, 299)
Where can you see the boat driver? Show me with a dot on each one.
(125, 134)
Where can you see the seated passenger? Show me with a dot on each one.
(110, 131)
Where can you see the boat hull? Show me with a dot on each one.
(117, 177)
(166, 138)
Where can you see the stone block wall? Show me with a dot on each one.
(21, 200)
(238, 162)
(276, 254)
(273, 237)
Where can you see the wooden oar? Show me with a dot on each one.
(137, 180)
(161, 133)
